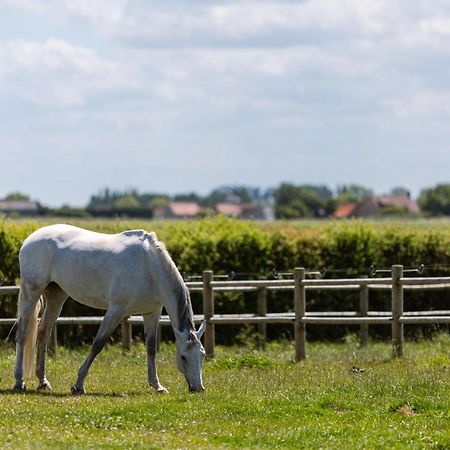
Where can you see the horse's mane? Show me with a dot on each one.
(184, 306)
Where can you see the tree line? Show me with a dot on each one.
(289, 201)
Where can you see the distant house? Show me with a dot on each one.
(344, 211)
(378, 205)
(178, 210)
(229, 209)
(245, 211)
(19, 207)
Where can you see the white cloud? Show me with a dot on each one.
(30, 6)
(122, 117)
(421, 103)
(109, 12)
(232, 21)
(96, 12)
(55, 72)
(236, 22)
(440, 26)
(53, 54)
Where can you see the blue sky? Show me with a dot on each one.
(175, 96)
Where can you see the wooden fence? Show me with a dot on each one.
(300, 317)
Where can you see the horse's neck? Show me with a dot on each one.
(178, 306)
(177, 300)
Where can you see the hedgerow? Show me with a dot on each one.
(255, 249)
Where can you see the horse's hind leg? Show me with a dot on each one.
(151, 324)
(27, 318)
(109, 324)
(54, 298)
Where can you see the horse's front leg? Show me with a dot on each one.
(151, 324)
(109, 323)
(54, 300)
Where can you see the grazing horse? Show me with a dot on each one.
(125, 273)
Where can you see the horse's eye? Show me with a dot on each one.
(183, 358)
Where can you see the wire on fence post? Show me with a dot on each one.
(397, 312)
(208, 313)
(300, 312)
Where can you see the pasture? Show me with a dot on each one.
(342, 396)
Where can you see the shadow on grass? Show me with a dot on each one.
(37, 393)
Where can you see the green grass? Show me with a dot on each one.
(342, 396)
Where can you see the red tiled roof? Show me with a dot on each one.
(184, 209)
(344, 210)
(229, 209)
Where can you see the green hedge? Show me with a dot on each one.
(251, 249)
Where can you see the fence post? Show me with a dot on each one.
(262, 312)
(53, 341)
(208, 313)
(397, 312)
(126, 334)
(300, 312)
(363, 311)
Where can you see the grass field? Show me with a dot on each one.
(341, 397)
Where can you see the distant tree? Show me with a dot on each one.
(400, 190)
(103, 200)
(352, 193)
(153, 200)
(68, 211)
(300, 201)
(127, 202)
(17, 196)
(213, 198)
(436, 201)
(244, 194)
(231, 194)
(394, 210)
(321, 190)
(158, 201)
(190, 197)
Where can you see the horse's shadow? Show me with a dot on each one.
(35, 392)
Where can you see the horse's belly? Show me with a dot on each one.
(82, 294)
(98, 285)
(83, 278)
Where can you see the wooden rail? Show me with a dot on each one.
(300, 317)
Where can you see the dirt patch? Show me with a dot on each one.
(407, 410)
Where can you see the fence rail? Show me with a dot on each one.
(299, 318)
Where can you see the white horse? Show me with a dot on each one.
(125, 273)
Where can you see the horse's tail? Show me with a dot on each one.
(30, 344)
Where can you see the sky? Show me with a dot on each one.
(187, 95)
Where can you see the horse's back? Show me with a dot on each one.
(61, 236)
(86, 264)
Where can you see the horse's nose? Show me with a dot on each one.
(196, 388)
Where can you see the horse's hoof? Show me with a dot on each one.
(45, 386)
(76, 390)
(162, 390)
(20, 387)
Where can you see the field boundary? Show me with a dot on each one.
(299, 318)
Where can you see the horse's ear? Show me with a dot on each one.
(201, 329)
(179, 335)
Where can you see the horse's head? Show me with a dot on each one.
(190, 356)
